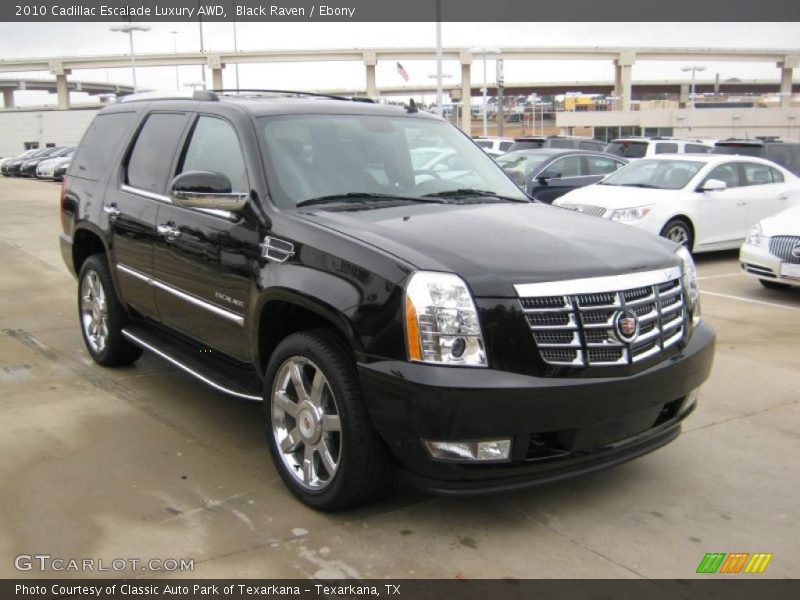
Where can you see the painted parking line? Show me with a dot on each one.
(750, 300)
(721, 275)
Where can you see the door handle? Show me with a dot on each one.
(168, 230)
(112, 211)
(783, 197)
(741, 203)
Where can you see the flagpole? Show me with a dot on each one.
(439, 102)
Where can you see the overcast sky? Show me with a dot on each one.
(59, 39)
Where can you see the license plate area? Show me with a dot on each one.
(790, 270)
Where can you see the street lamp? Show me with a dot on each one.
(694, 69)
(175, 50)
(129, 28)
(484, 51)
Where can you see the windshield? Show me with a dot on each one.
(627, 149)
(327, 156)
(744, 149)
(520, 166)
(658, 174)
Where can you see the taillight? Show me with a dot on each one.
(63, 204)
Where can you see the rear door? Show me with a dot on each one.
(204, 259)
(720, 217)
(559, 177)
(132, 203)
(766, 191)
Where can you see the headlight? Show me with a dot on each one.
(757, 238)
(628, 215)
(442, 324)
(690, 282)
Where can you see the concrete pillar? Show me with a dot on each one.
(370, 62)
(789, 63)
(8, 98)
(216, 79)
(622, 80)
(62, 89)
(466, 93)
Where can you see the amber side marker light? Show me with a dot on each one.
(412, 332)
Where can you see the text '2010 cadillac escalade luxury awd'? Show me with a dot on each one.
(394, 313)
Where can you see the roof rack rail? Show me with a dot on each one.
(290, 93)
(157, 95)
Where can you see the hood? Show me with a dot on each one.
(616, 196)
(784, 223)
(494, 246)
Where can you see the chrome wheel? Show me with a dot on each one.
(94, 312)
(678, 234)
(305, 423)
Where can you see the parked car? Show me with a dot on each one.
(548, 173)
(46, 168)
(564, 142)
(60, 171)
(641, 147)
(705, 202)
(494, 146)
(771, 252)
(11, 166)
(785, 153)
(286, 250)
(28, 166)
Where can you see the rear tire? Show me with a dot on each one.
(680, 232)
(102, 316)
(774, 285)
(321, 439)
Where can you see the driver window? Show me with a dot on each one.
(729, 173)
(214, 146)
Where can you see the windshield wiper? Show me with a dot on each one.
(360, 196)
(467, 192)
(639, 185)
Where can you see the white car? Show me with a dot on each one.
(702, 201)
(494, 146)
(633, 148)
(771, 252)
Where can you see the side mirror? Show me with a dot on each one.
(713, 185)
(548, 174)
(206, 189)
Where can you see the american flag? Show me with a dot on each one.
(402, 72)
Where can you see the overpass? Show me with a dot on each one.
(623, 59)
(93, 88)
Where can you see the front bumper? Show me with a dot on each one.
(559, 426)
(759, 263)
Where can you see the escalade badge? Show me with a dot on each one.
(626, 326)
(796, 251)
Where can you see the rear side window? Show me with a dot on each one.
(755, 174)
(504, 146)
(484, 143)
(697, 149)
(152, 156)
(100, 144)
(600, 165)
(215, 147)
(628, 149)
(666, 148)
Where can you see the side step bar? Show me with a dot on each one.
(244, 384)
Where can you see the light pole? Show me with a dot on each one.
(175, 50)
(129, 29)
(484, 51)
(694, 69)
(236, 50)
(439, 92)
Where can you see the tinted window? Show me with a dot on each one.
(697, 149)
(504, 146)
(151, 159)
(777, 176)
(569, 166)
(627, 149)
(556, 143)
(100, 144)
(666, 148)
(526, 145)
(744, 149)
(729, 173)
(600, 165)
(591, 146)
(787, 155)
(484, 143)
(215, 147)
(755, 174)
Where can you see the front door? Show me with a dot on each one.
(204, 260)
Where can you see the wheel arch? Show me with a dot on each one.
(686, 219)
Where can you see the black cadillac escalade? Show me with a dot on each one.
(398, 304)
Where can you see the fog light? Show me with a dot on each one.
(470, 451)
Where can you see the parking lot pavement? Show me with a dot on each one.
(144, 462)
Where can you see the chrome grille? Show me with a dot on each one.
(589, 209)
(782, 246)
(574, 322)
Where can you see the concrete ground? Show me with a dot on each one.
(145, 462)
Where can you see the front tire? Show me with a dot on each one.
(774, 285)
(102, 315)
(680, 232)
(318, 430)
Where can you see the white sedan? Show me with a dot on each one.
(771, 252)
(704, 202)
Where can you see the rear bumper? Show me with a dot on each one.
(759, 263)
(559, 427)
(65, 244)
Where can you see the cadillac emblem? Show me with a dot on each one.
(796, 250)
(626, 327)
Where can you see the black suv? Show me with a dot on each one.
(785, 153)
(391, 318)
